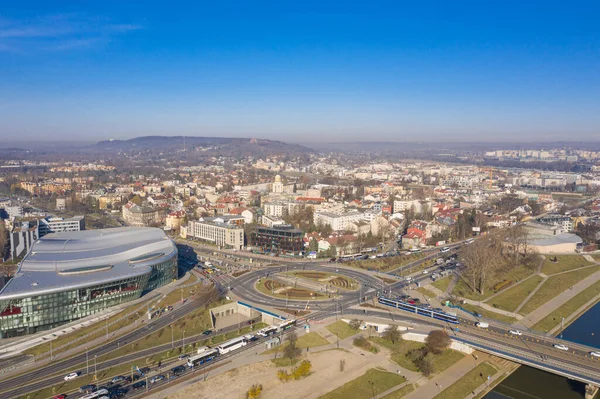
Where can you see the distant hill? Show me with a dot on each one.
(192, 144)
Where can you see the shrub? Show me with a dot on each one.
(502, 284)
(303, 370)
(254, 391)
(342, 364)
(365, 344)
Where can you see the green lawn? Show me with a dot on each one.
(462, 288)
(442, 284)
(373, 381)
(341, 329)
(555, 285)
(400, 393)
(309, 275)
(512, 297)
(309, 340)
(426, 292)
(400, 349)
(468, 383)
(571, 306)
(489, 314)
(564, 263)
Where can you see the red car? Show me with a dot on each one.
(61, 396)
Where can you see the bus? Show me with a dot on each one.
(398, 304)
(285, 325)
(265, 332)
(97, 394)
(231, 345)
(205, 356)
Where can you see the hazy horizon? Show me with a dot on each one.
(313, 72)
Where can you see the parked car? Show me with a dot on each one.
(71, 376)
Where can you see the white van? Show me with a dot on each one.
(445, 249)
(482, 324)
(414, 250)
(408, 279)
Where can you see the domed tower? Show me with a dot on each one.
(277, 186)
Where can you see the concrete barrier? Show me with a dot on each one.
(455, 345)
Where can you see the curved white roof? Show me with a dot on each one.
(69, 260)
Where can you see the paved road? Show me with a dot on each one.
(22, 384)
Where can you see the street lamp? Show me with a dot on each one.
(372, 388)
(172, 339)
(183, 341)
(95, 357)
(87, 363)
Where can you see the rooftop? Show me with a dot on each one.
(71, 260)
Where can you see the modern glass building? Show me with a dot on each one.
(70, 275)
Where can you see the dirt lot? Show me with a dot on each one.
(326, 376)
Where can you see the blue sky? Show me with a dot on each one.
(301, 71)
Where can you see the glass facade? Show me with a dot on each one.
(43, 312)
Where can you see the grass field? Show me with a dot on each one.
(310, 340)
(512, 297)
(571, 306)
(386, 264)
(341, 329)
(468, 383)
(372, 382)
(400, 349)
(489, 314)
(564, 263)
(337, 280)
(442, 284)
(555, 285)
(400, 393)
(462, 289)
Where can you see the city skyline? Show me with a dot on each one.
(316, 73)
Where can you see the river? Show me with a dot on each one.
(530, 383)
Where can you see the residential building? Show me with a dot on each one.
(140, 216)
(337, 221)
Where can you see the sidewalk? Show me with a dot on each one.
(559, 300)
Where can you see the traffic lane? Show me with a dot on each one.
(533, 337)
(101, 350)
(105, 364)
(537, 353)
(573, 357)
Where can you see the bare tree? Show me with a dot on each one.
(355, 324)
(481, 260)
(3, 241)
(392, 334)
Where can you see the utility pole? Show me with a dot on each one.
(172, 339)
(183, 341)
(50, 350)
(87, 363)
(95, 356)
(106, 324)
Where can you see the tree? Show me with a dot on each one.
(291, 350)
(355, 324)
(425, 364)
(481, 260)
(437, 341)
(392, 334)
(3, 241)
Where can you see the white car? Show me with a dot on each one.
(561, 347)
(595, 354)
(71, 376)
(425, 271)
(515, 332)
(445, 249)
